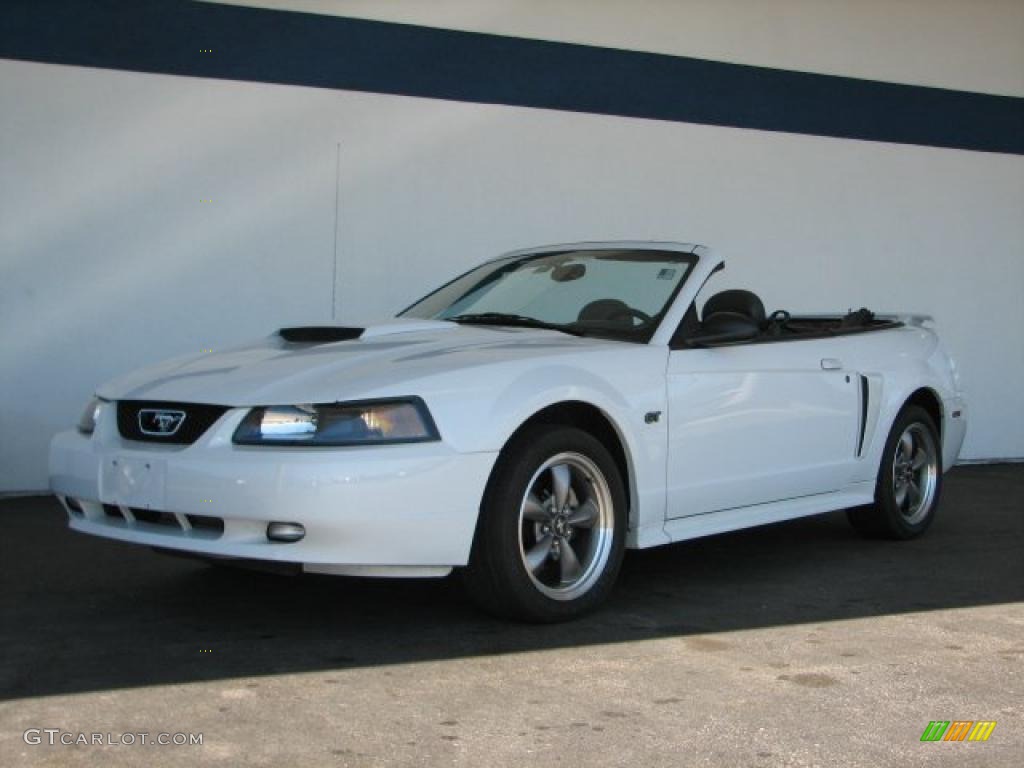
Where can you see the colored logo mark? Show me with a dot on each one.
(958, 730)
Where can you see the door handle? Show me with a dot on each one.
(831, 364)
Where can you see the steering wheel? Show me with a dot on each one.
(643, 317)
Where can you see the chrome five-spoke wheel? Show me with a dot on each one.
(909, 479)
(915, 468)
(566, 526)
(552, 529)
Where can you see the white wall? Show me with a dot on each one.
(109, 259)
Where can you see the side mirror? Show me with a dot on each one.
(724, 328)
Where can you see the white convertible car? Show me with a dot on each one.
(525, 422)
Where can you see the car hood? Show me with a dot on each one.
(397, 357)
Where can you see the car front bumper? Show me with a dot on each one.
(391, 510)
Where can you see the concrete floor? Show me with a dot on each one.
(795, 644)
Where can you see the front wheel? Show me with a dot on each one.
(909, 480)
(551, 534)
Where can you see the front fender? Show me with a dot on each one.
(625, 392)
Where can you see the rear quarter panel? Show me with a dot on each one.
(898, 362)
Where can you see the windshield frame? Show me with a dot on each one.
(686, 259)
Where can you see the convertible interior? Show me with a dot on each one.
(736, 316)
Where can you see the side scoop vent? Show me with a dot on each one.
(319, 334)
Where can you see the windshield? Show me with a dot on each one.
(610, 293)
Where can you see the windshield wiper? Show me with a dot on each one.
(504, 318)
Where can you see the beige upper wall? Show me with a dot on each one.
(974, 45)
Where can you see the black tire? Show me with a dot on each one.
(513, 528)
(890, 516)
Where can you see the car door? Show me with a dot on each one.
(758, 422)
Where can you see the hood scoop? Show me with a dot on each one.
(326, 334)
(319, 334)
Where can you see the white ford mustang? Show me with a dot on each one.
(526, 422)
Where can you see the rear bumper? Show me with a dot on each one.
(388, 510)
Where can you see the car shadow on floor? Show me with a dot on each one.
(82, 614)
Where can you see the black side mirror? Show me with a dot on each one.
(724, 328)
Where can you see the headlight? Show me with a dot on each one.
(372, 422)
(87, 423)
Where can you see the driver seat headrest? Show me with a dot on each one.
(738, 302)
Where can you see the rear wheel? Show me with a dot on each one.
(909, 480)
(551, 535)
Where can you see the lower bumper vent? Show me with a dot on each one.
(169, 520)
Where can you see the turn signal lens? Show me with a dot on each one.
(87, 422)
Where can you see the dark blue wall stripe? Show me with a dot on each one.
(165, 36)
